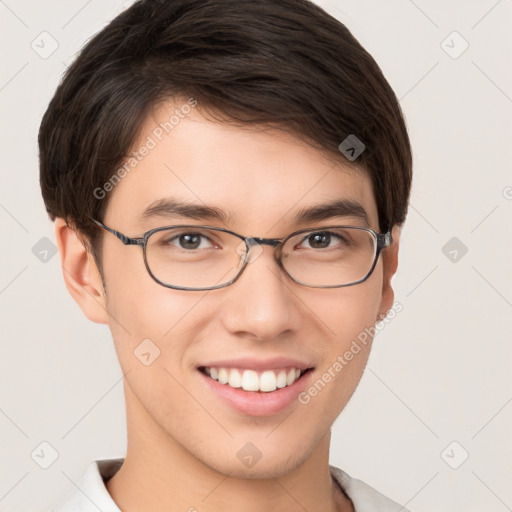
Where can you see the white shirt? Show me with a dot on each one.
(93, 496)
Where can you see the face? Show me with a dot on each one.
(260, 179)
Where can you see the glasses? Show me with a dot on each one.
(189, 257)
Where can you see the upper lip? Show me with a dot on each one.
(258, 364)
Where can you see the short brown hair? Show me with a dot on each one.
(268, 62)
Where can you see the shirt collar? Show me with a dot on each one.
(91, 490)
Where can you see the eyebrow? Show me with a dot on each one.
(336, 208)
(170, 207)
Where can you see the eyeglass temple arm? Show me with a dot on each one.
(125, 239)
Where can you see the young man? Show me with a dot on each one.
(228, 179)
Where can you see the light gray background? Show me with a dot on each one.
(439, 372)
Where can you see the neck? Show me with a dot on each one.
(160, 474)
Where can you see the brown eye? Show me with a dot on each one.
(319, 240)
(322, 240)
(189, 241)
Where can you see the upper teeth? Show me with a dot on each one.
(250, 380)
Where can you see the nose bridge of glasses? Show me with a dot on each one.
(255, 240)
(254, 246)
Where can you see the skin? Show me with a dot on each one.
(182, 440)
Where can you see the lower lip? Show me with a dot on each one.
(254, 403)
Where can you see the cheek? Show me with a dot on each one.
(134, 298)
(152, 334)
(142, 310)
(350, 315)
(349, 311)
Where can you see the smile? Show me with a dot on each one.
(251, 380)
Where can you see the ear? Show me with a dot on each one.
(81, 274)
(390, 264)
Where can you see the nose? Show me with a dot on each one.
(262, 303)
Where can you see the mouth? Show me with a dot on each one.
(256, 392)
(254, 381)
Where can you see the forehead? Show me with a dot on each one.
(255, 175)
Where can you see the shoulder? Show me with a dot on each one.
(364, 497)
(90, 493)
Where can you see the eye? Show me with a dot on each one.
(323, 240)
(189, 241)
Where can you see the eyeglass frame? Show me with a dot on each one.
(383, 240)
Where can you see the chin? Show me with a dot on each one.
(268, 461)
(262, 470)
